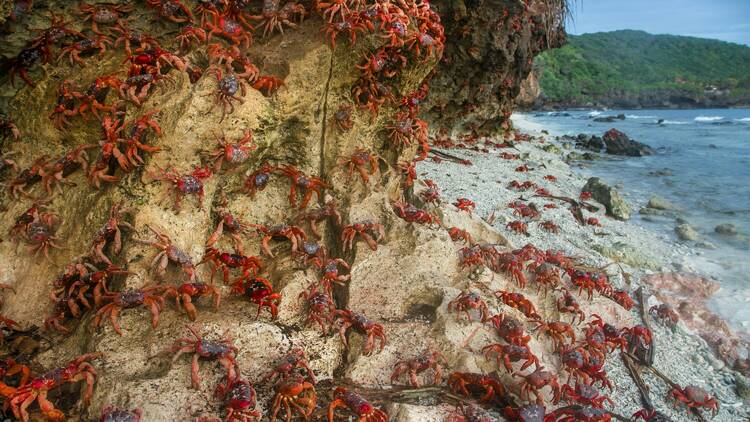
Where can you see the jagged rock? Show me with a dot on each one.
(609, 197)
(661, 173)
(627, 254)
(686, 232)
(618, 143)
(653, 211)
(727, 229)
(659, 203)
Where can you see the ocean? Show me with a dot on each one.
(702, 165)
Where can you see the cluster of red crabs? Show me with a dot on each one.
(409, 30)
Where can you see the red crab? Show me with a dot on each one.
(579, 413)
(695, 397)
(172, 10)
(302, 182)
(232, 226)
(457, 234)
(558, 331)
(27, 178)
(239, 401)
(226, 91)
(85, 45)
(549, 226)
(465, 204)
(294, 393)
(511, 264)
(7, 129)
(550, 178)
(183, 184)
(234, 61)
(258, 180)
(467, 301)
(226, 27)
(412, 214)
(431, 195)
(350, 24)
(168, 253)
(622, 298)
(537, 380)
(274, 18)
(311, 253)
(233, 153)
(190, 34)
(591, 221)
(79, 369)
(508, 353)
(518, 301)
(284, 367)
(418, 365)
(54, 173)
(150, 297)
(518, 227)
(348, 319)
(409, 171)
(314, 216)
(665, 313)
(509, 329)
(40, 236)
(320, 308)
(222, 351)
(466, 383)
(267, 85)
(370, 231)
(24, 61)
(407, 129)
(582, 280)
(187, 292)
(331, 273)
(650, 415)
(129, 37)
(546, 275)
(584, 196)
(585, 395)
(568, 304)
(114, 414)
(110, 232)
(9, 368)
(280, 232)
(358, 160)
(342, 118)
(103, 13)
(364, 410)
(66, 105)
(259, 291)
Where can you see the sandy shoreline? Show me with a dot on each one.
(684, 357)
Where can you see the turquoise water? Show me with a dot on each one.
(708, 155)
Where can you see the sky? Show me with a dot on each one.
(726, 20)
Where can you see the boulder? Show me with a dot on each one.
(686, 232)
(618, 143)
(727, 229)
(659, 203)
(627, 254)
(609, 197)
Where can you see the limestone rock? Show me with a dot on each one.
(609, 197)
(727, 229)
(659, 203)
(686, 232)
(627, 254)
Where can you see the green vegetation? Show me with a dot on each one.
(611, 66)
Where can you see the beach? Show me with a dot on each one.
(642, 254)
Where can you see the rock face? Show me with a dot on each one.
(727, 229)
(490, 53)
(609, 197)
(405, 284)
(688, 294)
(614, 142)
